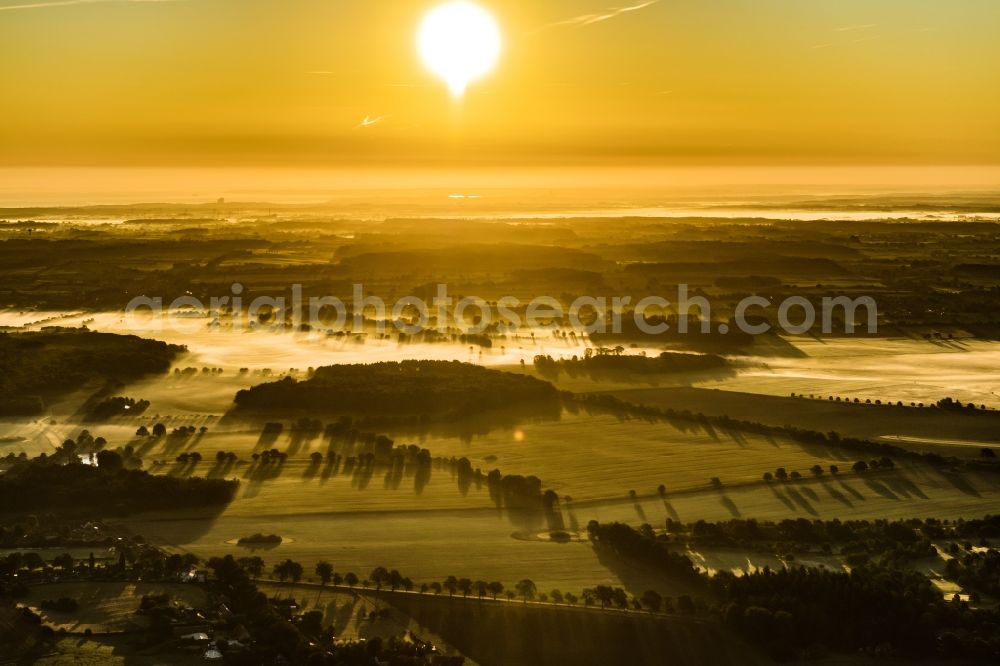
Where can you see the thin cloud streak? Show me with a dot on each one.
(610, 13)
(68, 3)
(369, 121)
(852, 28)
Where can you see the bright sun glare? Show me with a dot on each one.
(459, 42)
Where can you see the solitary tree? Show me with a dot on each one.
(605, 594)
(652, 600)
(280, 571)
(254, 566)
(64, 561)
(324, 570)
(526, 588)
(32, 560)
(379, 575)
(495, 588)
(110, 460)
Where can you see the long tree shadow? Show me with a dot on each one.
(850, 489)
(784, 498)
(837, 495)
(901, 484)
(574, 522)
(730, 506)
(960, 483)
(342, 618)
(881, 489)
(800, 500)
(639, 511)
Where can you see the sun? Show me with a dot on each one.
(459, 42)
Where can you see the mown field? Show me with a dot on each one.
(511, 632)
(105, 607)
(111, 651)
(594, 459)
(934, 427)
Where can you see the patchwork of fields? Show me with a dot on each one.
(360, 528)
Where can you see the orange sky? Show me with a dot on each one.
(286, 83)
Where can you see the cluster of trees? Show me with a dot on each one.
(977, 528)
(34, 485)
(475, 339)
(782, 474)
(38, 366)
(949, 403)
(270, 456)
(943, 403)
(15, 562)
(116, 406)
(288, 570)
(978, 571)
(514, 490)
(135, 561)
(189, 371)
(194, 457)
(606, 362)
(893, 542)
(260, 538)
(60, 605)
(795, 612)
(70, 451)
(180, 433)
(433, 388)
(647, 547)
(885, 611)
